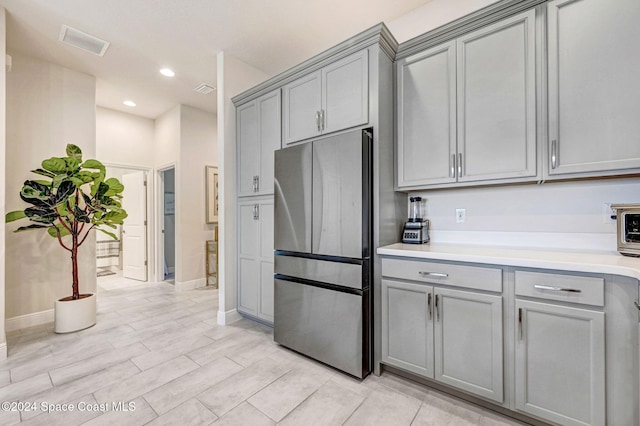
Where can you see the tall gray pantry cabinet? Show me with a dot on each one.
(348, 87)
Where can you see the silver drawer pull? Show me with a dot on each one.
(552, 288)
(433, 274)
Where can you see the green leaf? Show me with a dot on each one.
(94, 164)
(74, 151)
(55, 165)
(115, 187)
(13, 216)
(30, 227)
(63, 231)
(65, 190)
(43, 172)
(35, 193)
(41, 214)
(112, 235)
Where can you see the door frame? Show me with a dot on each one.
(149, 216)
(158, 259)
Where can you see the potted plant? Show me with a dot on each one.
(73, 199)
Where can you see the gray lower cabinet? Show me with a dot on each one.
(560, 363)
(255, 258)
(593, 87)
(451, 335)
(560, 347)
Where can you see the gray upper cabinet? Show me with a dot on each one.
(259, 135)
(497, 101)
(426, 87)
(593, 83)
(467, 108)
(330, 99)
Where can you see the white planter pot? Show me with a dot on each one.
(75, 315)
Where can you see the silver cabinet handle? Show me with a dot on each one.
(433, 274)
(321, 119)
(460, 165)
(429, 305)
(520, 322)
(554, 288)
(554, 154)
(453, 166)
(256, 211)
(437, 308)
(318, 120)
(257, 183)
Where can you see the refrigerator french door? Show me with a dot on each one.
(322, 250)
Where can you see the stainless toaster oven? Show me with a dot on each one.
(628, 218)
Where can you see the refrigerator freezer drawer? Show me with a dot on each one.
(324, 324)
(336, 273)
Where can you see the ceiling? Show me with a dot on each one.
(186, 36)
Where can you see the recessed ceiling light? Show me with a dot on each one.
(167, 72)
(129, 103)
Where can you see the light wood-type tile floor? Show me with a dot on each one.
(158, 357)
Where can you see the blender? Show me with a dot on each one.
(416, 228)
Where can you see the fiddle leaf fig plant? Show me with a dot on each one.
(70, 199)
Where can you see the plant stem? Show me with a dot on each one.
(74, 266)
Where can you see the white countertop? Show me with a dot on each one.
(600, 262)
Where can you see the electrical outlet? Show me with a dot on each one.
(609, 214)
(461, 215)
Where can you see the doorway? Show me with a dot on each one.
(126, 256)
(168, 224)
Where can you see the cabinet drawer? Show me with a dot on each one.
(474, 277)
(564, 288)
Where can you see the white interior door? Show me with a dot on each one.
(134, 238)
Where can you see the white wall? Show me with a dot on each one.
(198, 148)
(47, 107)
(561, 215)
(3, 166)
(234, 77)
(124, 139)
(167, 138)
(433, 15)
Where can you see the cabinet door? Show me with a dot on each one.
(265, 307)
(407, 326)
(248, 148)
(497, 101)
(468, 342)
(248, 261)
(560, 363)
(270, 138)
(345, 93)
(593, 86)
(426, 121)
(301, 108)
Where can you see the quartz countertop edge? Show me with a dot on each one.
(589, 261)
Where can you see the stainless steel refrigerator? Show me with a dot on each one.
(323, 242)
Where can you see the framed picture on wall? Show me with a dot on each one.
(211, 176)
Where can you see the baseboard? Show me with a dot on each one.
(3, 351)
(228, 317)
(29, 320)
(190, 285)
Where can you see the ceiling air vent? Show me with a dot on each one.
(205, 89)
(83, 41)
